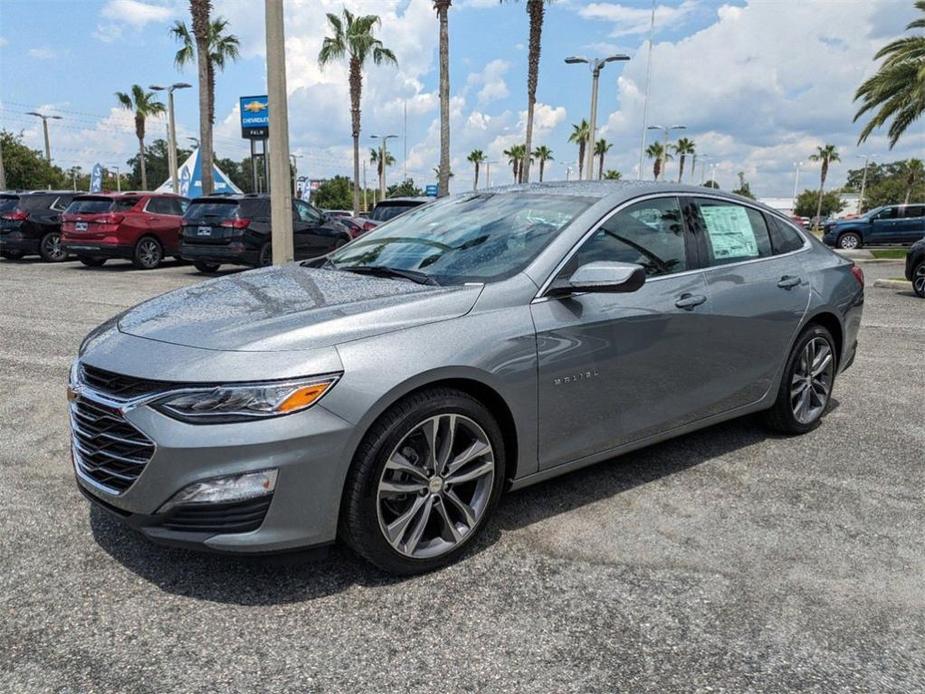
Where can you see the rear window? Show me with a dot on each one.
(100, 205)
(8, 202)
(211, 209)
(36, 202)
(384, 212)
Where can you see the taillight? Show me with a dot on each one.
(110, 218)
(858, 274)
(368, 225)
(236, 223)
(17, 215)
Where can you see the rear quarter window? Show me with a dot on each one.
(784, 238)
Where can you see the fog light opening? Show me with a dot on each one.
(219, 490)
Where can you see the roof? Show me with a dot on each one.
(420, 198)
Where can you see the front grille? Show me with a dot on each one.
(117, 385)
(232, 517)
(107, 449)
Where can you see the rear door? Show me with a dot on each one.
(885, 227)
(913, 223)
(317, 239)
(758, 290)
(161, 219)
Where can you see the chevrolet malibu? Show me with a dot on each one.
(388, 393)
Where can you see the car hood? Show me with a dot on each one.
(292, 308)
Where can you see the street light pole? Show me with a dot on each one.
(118, 179)
(171, 131)
(645, 98)
(796, 180)
(596, 65)
(865, 157)
(45, 128)
(295, 170)
(280, 197)
(383, 153)
(666, 131)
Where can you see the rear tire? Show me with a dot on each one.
(148, 253)
(50, 248)
(918, 279)
(850, 241)
(265, 257)
(203, 266)
(806, 385)
(90, 261)
(445, 498)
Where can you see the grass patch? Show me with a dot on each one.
(889, 254)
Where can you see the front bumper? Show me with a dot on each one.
(310, 450)
(98, 250)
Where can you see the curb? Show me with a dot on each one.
(864, 261)
(893, 284)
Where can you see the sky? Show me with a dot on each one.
(759, 84)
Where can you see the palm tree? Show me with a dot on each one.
(612, 175)
(826, 154)
(144, 104)
(898, 88)
(601, 147)
(542, 154)
(436, 171)
(581, 133)
(374, 158)
(683, 147)
(222, 47)
(914, 173)
(352, 39)
(443, 180)
(476, 156)
(199, 11)
(513, 158)
(657, 152)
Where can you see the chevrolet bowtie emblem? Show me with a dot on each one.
(255, 106)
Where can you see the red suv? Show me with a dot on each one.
(141, 227)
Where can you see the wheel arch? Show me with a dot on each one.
(830, 321)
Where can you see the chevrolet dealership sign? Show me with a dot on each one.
(255, 117)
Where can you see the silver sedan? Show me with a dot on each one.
(387, 394)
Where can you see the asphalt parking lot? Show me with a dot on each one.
(726, 560)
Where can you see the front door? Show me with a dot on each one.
(614, 368)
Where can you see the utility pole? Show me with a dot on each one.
(280, 197)
(796, 180)
(118, 179)
(596, 65)
(171, 131)
(365, 207)
(404, 159)
(645, 98)
(488, 173)
(295, 170)
(866, 158)
(666, 130)
(45, 128)
(383, 153)
(2, 171)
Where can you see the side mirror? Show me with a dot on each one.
(601, 276)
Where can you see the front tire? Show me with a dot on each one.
(50, 248)
(806, 386)
(850, 241)
(148, 253)
(424, 481)
(918, 279)
(90, 261)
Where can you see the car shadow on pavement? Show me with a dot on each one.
(301, 576)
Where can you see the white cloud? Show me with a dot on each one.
(107, 33)
(135, 12)
(3, 41)
(42, 53)
(491, 81)
(629, 20)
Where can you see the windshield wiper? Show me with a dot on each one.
(384, 271)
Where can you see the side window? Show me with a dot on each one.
(305, 212)
(180, 205)
(914, 212)
(734, 233)
(60, 204)
(784, 238)
(160, 206)
(650, 234)
(887, 213)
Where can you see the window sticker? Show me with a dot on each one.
(730, 231)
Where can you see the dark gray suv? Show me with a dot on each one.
(388, 393)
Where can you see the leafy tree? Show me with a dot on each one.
(238, 171)
(222, 47)
(27, 168)
(442, 8)
(542, 154)
(744, 189)
(477, 157)
(145, 105)
(898, 88)
(657, 152)
(352, 39)
(826, 154)
(404, 189)
(157, 165)
(808, 204)
(601, 147)
(374, 158)
(711, 184)
(334, 194)
(612, 175)
(581, 133)
(515, 157)
(683, 148)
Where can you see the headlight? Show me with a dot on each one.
(244, 402)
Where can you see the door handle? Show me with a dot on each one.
(788, 282)
(689, 301)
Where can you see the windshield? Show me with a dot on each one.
(473, 238)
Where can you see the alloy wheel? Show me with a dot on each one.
(435, 486)
(53, 250)
(918, 280)
(811, 383)
(149, 253)
(848, 242)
